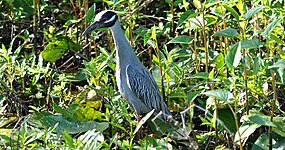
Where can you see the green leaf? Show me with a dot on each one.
(91, 140)
(251, 44)
(54, 50)
(280, 124)
(68, 139)
(192, 95)
(186, 15)
(220, 94)
(70, 22)
(229, 32)
(200, 75)
(279, 64)
(252, 12)
(245, 130)
(183, 39)
(270, 27)
(227, 117)
(261, 120)
(91, 12)
(197, 4)
(48, 120)
(256, 65)
(232, 11)
(262, 142)
(234, 56)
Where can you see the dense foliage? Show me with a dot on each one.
(219, 65)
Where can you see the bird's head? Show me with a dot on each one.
(103, 19)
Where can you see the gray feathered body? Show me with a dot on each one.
(134, 81)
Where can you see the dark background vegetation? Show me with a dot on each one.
(219, 64)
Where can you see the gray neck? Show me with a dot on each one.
(124, 50)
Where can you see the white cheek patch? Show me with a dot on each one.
(99, 15)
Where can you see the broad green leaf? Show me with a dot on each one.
(245, 130)
(54, 50)
(261, 120)
(183, 39)
(262, 142)
(61, 124)
(91, 139)
(251, 44)
(197, 4)
(200, 75)
(192, 95)
(275, 38)
(227, 117)
(252, 12)
(234, 56)
(186, 15)
(280, 72)
(70, 22)
(271, 26)
(280, 124)
(232, 11)
(220, 94)
(68, 139)
(219, 60)
(6, 132)
(229, 32)
(256, 65)
(153, 32)
(279, 64)
(91, 12)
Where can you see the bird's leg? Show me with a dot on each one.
(139, 133)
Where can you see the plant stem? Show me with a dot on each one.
(35, 24)
(273, 107)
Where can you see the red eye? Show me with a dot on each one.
(103, 20)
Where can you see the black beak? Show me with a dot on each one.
(94, 25)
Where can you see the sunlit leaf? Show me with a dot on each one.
(70, 22)
(91, 12)
(183, 39)
(261, 120)
(197, 4)
(92, 139)
(279, 64)
(271, 26)
(245, 130)
(256, 65)
(229, 32)
(186, 15)
(54, 50)
(252, 12)
(262, 142)
(192, 95)
(232, 11)
(68, 139)
(280, 124)
(234, 56)
(251, 44)
(220, 94)
(200, 75)
(70, 126)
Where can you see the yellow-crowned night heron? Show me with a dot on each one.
(134, 81)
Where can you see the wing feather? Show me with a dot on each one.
(145, 88)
